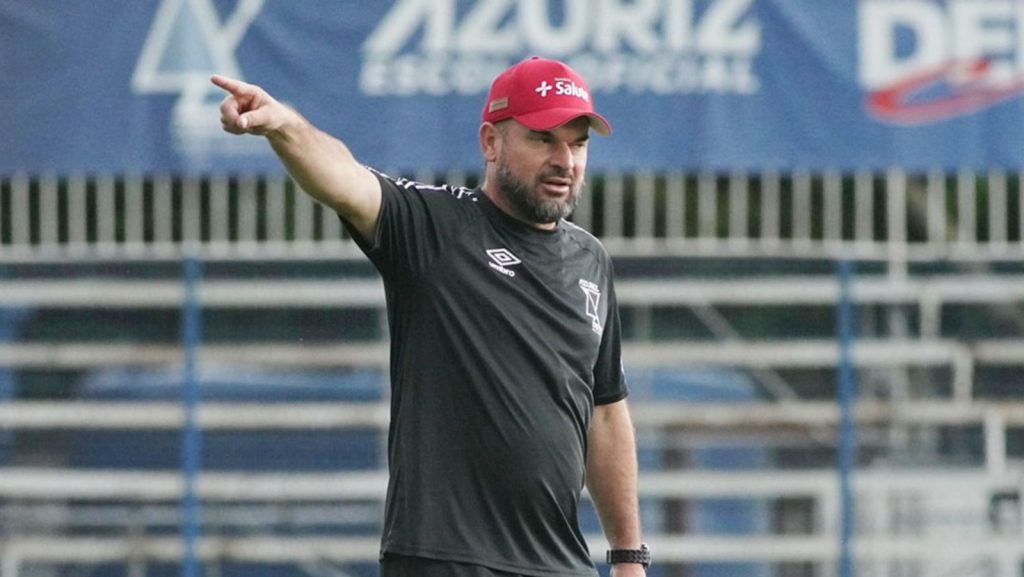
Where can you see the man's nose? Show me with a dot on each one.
(561, 155)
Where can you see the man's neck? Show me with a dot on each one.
(498, 200)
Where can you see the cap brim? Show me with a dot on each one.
(555, 117)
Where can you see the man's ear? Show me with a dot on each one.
(490, 138)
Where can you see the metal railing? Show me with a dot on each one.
(894, 218)
(891, 217)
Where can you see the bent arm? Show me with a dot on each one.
(321, 164)
(612, 479)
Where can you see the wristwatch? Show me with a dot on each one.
(641, 556)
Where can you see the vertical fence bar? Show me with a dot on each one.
(998, 209)
(220, 227)
(771, 210)
(425, 176)
(191, 442)
(21, 223)
(304, 205)
(276, 208)
(134, 210)
(936, 187)
(995, 443)
(106, 210)
(864, 211)
(739, 210)
(967, 208)
(163, 210)
(643, 202)
(49, 213)
(614, 201)
(802, 208)
(847, 446)
(675, 205)
(707, 208)
(330, 224)
(456, 178)
(78, 223)
(1020, 208)
(4, 183)
(248, 208)
(191, 211)
(10, 565)
(832, 206)
(896, 191)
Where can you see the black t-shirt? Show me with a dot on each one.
(503, 338)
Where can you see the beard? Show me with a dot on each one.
(528, 205)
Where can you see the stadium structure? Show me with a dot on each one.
(816, 216)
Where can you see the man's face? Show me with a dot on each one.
(540, 173)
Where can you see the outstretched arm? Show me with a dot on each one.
(612, 480)
(322, 165)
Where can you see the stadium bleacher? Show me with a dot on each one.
(731, 355)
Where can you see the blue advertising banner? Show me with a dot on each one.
(123, 85)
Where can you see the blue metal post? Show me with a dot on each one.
(191, 439)
(847, 441)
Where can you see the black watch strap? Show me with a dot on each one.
(641, 556)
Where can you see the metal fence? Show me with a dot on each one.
(922, 375)
(892, 216)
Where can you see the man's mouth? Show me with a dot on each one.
(557, 186)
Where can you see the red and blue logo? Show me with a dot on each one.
(954, 89)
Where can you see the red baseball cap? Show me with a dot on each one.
(542, 94)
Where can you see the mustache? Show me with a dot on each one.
(556, 173)
(576, 185)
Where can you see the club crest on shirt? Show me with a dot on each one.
(593, 309)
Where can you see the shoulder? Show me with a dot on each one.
(586, 241)
(415, 210)
(430, 192)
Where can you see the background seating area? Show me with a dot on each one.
(729, 294)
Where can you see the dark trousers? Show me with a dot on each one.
(402, 566)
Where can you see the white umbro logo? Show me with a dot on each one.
(543, 88)
(502, 258)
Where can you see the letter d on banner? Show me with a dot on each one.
(898, 38)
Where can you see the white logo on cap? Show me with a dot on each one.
(566, 87)
(563, 87)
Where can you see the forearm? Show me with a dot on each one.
(322, 165)
(612, 475)
(326, 170)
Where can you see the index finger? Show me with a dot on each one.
(233, 86)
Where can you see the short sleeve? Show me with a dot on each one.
(609, 376)
(415, 223)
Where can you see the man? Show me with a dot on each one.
(507, 388)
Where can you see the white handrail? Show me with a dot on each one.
(324, 415)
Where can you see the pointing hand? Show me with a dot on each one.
(248, 109)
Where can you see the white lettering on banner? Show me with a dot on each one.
(555, 41)
(641, 46)
(953, 30)
(972, 49)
